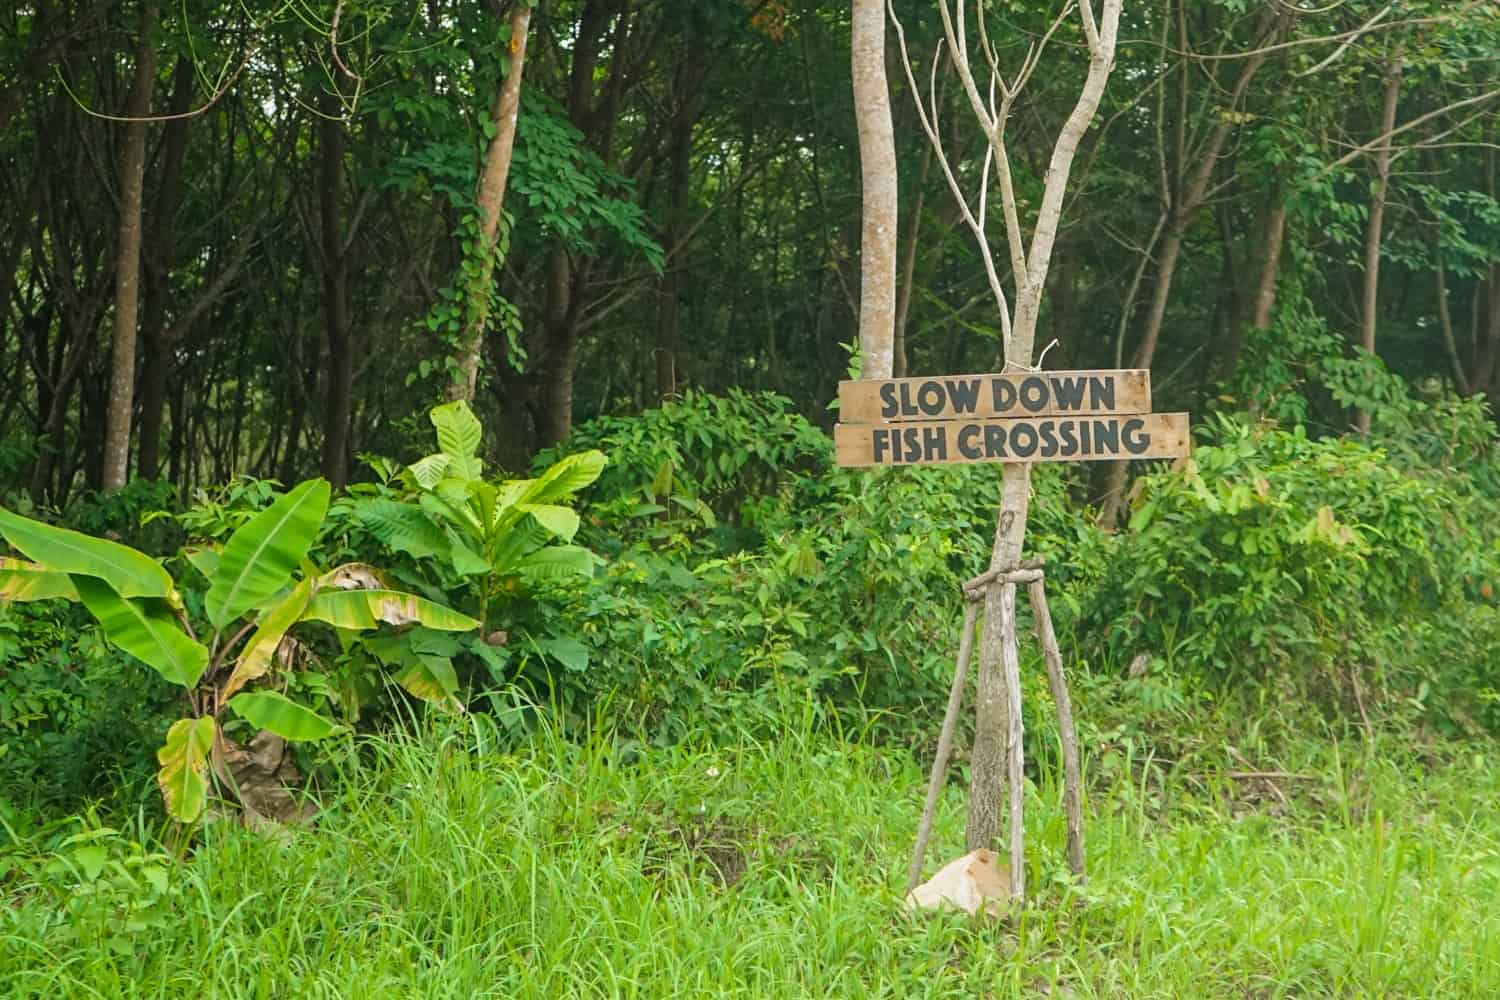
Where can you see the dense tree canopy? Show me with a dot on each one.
(275, 211)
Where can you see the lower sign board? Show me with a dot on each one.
(1041, 439)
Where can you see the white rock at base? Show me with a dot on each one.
(973, 882)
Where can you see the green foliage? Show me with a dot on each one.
(774, 869)
(1274, 559)
(700, 459)
(491, 542)
(139, 610)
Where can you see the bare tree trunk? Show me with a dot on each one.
(490, 200)
(688, 83)
(1445, 322)
(340, 371)
(554, 412)
(1188, 203)
(1375, 224)
(997, 726)
(1273, 235)
(116, 455)
(161, 249)
(877, 159)
(909, 269)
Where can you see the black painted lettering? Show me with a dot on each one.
(1034, 398)
(908, 408)
(1049, 438)
(1004, 391)
(994, 441)
(1087, 446)
(880, 443)
(1102, 392)
(911, 444)
(964, 393)
(1107, 437)
(968, 445)
(1069, 436)
(1069, 392)
(1023, 439)
(889, 407)
(935, 444)
(930, 397)
(1132, 437)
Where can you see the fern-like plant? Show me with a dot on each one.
(504, 536)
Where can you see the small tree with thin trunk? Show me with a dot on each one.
(877, 162)
(991, 94)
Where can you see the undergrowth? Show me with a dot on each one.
(444, 867)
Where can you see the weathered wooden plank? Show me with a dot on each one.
(1017, 394)
(1047, 439)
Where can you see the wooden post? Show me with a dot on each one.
(1010, 664)
(945, 744)
(1072, 782)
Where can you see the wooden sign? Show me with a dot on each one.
(1019, 394)
(1108, 437)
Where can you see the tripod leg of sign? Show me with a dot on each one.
(945, 744)
(974, 593)
(1010, 662)
(1072, 782)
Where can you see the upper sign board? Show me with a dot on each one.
(1017, 394)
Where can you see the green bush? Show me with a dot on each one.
(1276, 559)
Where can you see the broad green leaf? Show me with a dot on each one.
(27, 581)
(458, 430)
(365, 609)
(205, 559)
(128, 572)
(560, 522)
(557, 562)
(428, 472)
(260, 556)
(431, 678)
(466, 562)
(255, 659)
(567, 477)
(183, 776)
(571, 653)
(280, 715)
(403, 527)
(146, 629)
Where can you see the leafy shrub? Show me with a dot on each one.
(1274, 558)
(731, 454)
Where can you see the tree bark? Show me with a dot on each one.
(116, 454)
(998, 720)
(877, 160)
(340, 371)
(160, 256)
(1187, 205)
(689, 79)
(490, 200)
(1263, 302)
(1375, 224)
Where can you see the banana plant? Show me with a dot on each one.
(261, 586)
(506, 535)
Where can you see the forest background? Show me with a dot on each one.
(243, 246)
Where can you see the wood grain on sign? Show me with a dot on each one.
(1018, 394)
(1104, 438)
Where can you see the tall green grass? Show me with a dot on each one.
(447, 869)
